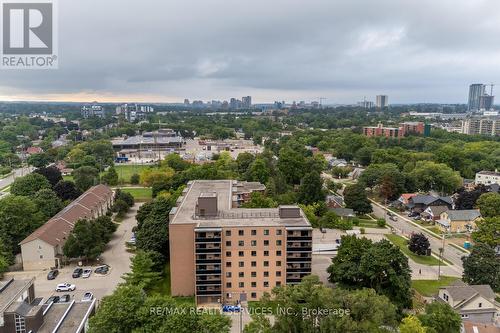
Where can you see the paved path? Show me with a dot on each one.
(405, 227)
(4, 182)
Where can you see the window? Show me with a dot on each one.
(278, 263)
(266, 274)
(241, 254)
(278, 283)
(241, 232)
(278, 253)
(41, 256)
(266, 284)
(228, 233)
(20, 324)
(464, 316)
(278, 232)
(254, 284)
(253, 243)
(241, 284)
(228, 253)
(253, 274)
(253, 295)
(228, 274)
(228, 285)
(241, 264)
(228, 264)
(278, 242)
(241, 243)
(266, 232)
(241, 274)
(278, 273)
(228, 243)
(254, 263)
(480, 305)
(266, 263)
(266, 243)
(254, 253)
(254, 232)
(266, 253)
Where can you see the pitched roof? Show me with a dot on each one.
(470, 327)
(428, 199)
(463, 215)
(56, 230)
(462, 292)
(437, 210)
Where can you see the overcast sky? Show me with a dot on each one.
(165, 51)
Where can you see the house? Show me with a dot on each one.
(433, 213)
(458, 220)
(487, 177)
(404, 199)
(43, 248)
(355, 173)
(343, 212)
(21, 311)
(63, 169)
(419, 202)
(475, 303)
(34, 150)
(470, 327)
(334, 201)
(338, 162)
(242, 191)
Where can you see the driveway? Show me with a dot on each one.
(115, 256)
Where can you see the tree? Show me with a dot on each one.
(435, 176)
(110, 177)
(331, 220)
(49, 204)
(488, 231)
(142, 273)
(360, 263)
(125, 196)
(19, 217)
(85, 177)
(489, 204)
(135, 179)
(39, 160)
(311, 189)
(441, 317)
(244, 160)
(259, 200)
(482, 266)
(258, 171)
(52, 174)
(467, 199)
(411, 324)
(175, 162)
(355, 198)
(29, 185)
(150, 176)
(67, 190)
(89, 238)
(116, 312)
(419, 244)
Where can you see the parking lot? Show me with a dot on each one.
(115, 256)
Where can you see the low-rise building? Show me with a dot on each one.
(420, 202)
(402, 130)
(433, 213)
(21, 311)
(487, 177)
(42, 249)
(222, 254)
(475, 303)
(91, 111)
(458, 220)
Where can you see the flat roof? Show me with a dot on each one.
(10, 291)
(227, 216)
(76, 314)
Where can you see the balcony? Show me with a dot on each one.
(299, 270)
(208, 271)
(299, 249)
(208, 261)
(208, 250)
(298, 259)
(298, 238)
(208, 282)
(293, 280)
(208, 292)
(208, 240)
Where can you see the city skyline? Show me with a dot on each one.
(421, 52)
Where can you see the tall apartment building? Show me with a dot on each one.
(382, 101)
(481, 125)
(398, 132)
(476, 90)
(246, 102)
(222, 254)
(90, 111)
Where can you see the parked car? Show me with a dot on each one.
(104, 269)
(417, 217)
(65, 298)
(413, 214)
(87, 297)
(77, 272)
(52, 274)
(323, 230)
(52, 299)
(394, 218)
(390, 214)
(231, 308)
(65, 287)
(86, 273)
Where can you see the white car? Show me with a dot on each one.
(65, 287)
(87, 297)
(86, 273)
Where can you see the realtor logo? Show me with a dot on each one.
(29, 38)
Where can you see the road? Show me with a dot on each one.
(4, 182)
(404, 226)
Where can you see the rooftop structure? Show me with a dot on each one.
(221, 253)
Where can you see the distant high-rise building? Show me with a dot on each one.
(486, 102)
(366, 104)
(476, 90)
(94, 110)
(382, 101)
(481, 125)
(186, 101)
(246, 102)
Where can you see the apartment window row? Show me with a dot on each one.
(252, 264)
(253, 232)
(252, 274)
(253, 253)
(253, 284)
(254, 243)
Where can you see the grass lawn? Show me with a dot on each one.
(365, 223)
(126, 171)
(70, 178)
(139, 194)
(402, 243)
(162, 287)
(430, 287)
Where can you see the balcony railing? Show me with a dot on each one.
(205, 250)
(208, 240)
(299, 249)
(208, 271)
(208, 261)
(208, 282)
(208, 292)
(298, 238)
(298, 259)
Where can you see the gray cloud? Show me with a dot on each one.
(415, 51)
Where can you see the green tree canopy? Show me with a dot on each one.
(29, 185)
(482, 266)
(489, 204)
